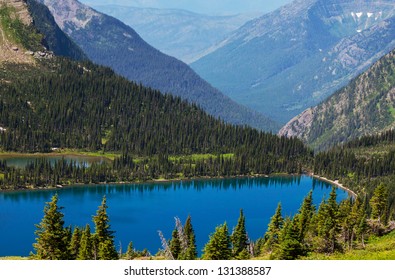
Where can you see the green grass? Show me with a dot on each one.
(110, 156)
(378, 248)
(195, 157)
(17, 32)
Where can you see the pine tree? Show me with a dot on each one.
(130, 252)
(274, 228)
(361, 229)
(290, 248)
(52, 238)
(219, 245)
(104, 237)
(191, 252)
(379, 204)
(175, 245)
(346, 222)
(306, 213)
(258, 247)
(328, 223)
(86, 247)
(74, 246)
(239, 237)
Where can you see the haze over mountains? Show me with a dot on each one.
(109, 42)
(178, 33)
(296, 56)
(365, 107)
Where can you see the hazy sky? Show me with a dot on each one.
(213, 7)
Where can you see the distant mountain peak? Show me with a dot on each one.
(294, 57)
(76, 14)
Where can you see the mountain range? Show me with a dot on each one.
(286, 61)
(107, 41)
(179, 33)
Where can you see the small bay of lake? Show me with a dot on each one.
(138, 211)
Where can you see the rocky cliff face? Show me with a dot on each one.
(293, 58)
(298, 125)
(366, 106)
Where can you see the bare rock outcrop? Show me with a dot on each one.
(298, 125)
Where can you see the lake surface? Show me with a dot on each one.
(137, 212)
(20, 161)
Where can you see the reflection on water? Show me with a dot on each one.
(138, 211)
(20, 161)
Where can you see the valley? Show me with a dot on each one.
(128, 138)
(116, 45)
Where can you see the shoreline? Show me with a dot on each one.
(336, 183)
(152, 181)
(175, 180)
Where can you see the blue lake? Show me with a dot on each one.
(138, 211)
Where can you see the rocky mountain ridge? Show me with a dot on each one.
(365, 107)
(293, 58)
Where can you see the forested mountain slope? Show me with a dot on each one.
(364, 107)
(107, 41)
(362, 165)
(295, 57)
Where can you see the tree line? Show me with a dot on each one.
(125, 168)
(333, 227)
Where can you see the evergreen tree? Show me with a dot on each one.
(239, 237)
(274, 229)
(191, 252)
(130, 252)
(306, 213)
(258, 247)
(52, 238)
(75, 243)
(103, 237)
(379, 204)
(328, 224)
(346, 222)
(219, 245)
(290, 248)
(86, 247)
(361, 229)
(175, 245)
